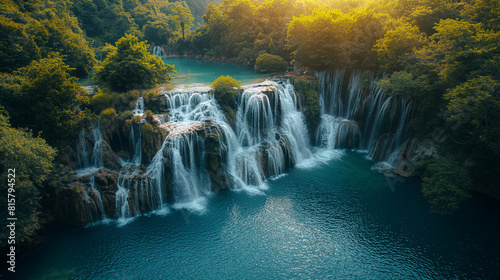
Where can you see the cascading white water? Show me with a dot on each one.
(139, 107)
(190, 178)
(189, 111)
(136, 145)
(330, 98)
(90, 161)
(90, 165)
(98, 146)
(337, 133)
(375, 111)
(271, 137)
(122, 205)
(101, 205)
(86, 199)
(157, 50)
(82, 152)
(268, 125)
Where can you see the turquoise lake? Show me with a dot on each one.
(335, 220)
(190, 70)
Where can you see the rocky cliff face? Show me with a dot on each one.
(84, 199)
(412, 153)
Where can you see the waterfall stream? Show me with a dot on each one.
(90, 165)
(158, 50)
(356, 117)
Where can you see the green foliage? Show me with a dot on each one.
(44, 97)
(181, 16)
(147, 129)
(158, 22)
(125, 116)
(152, 101)
(109, 113)
(308, 89)
(404, 83)
(100, 101)
(445, 185)
(225, 90)
(393, 48)
(461, 50)
(32, 160)
(242, 30)
(136, 119)
(331, 39)
(428, 13)
(270, 63)
(148, 115)
(31, 30)
(486, 12)
(129, 65)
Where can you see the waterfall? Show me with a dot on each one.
(356, 117)
(272, 134)
(122, 205)
(330, 99)
(88, 201)
(337, 133)
(190, 178)
(158, 50)
(139, 107)
(90, 163)
(98, 146)
(136, 145)
(82, 152)
(99, 198)
(270, 137)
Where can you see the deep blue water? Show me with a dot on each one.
(335, 220)
(190, 70)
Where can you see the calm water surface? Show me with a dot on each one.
(189, 70)
(335, 220)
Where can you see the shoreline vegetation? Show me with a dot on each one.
(442, 57)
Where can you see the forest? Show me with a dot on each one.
(444, 55)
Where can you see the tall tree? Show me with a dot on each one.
(129, 65)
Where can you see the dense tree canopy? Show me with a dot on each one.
(158, 22)
(31, 158)
(31, 30)
(270, 63)
(445, 185)
(45, 98)
(331, 39)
